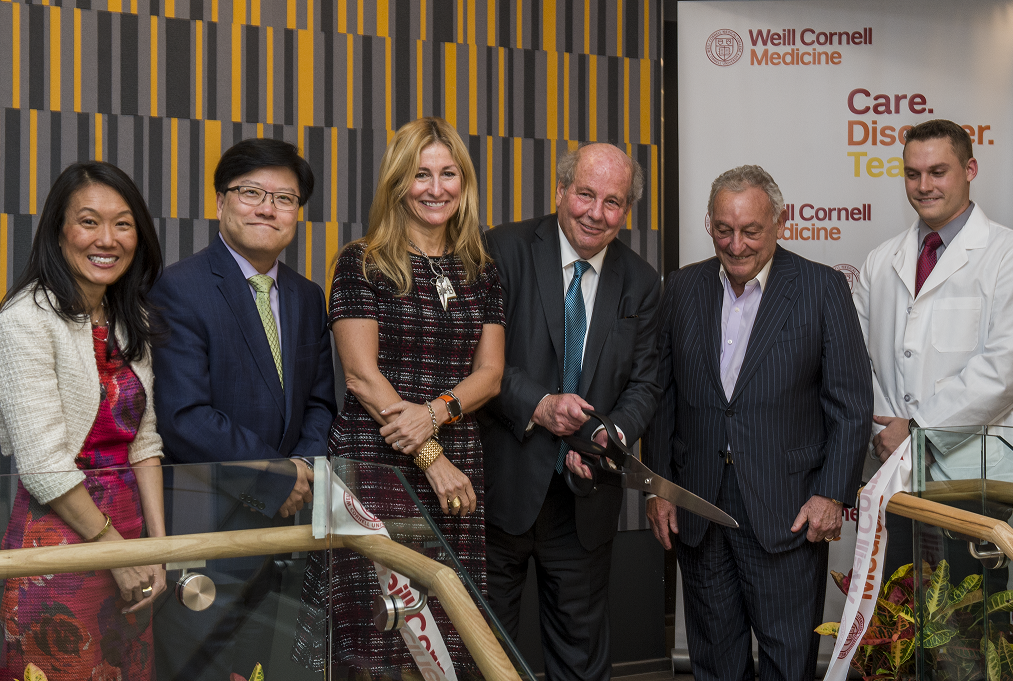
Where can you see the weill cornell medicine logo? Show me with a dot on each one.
(724, 47)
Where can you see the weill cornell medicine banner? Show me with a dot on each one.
(819, 94)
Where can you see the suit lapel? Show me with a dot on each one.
(775, 305)
(236, 291)
(603, 316)
(549, 273)
(709, 303)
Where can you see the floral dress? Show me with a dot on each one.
(423, 350)
(71, 625)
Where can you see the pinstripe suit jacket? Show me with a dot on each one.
(799, 419)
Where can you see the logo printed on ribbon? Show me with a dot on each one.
(360, 514)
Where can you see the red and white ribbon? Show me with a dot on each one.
(349, 517)
(870, 554)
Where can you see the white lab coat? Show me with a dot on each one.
(944, 358)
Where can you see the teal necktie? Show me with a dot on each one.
(262, 285)
(574, 328)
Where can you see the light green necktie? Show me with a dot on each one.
(263, 283)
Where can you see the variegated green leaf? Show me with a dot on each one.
(969, 584)
(939, 588)
(901, 572)
(828, 629)
(935, 634)
(897, 609)
(991, 660)
(257, 674)
(901, 651)
(1000, 602)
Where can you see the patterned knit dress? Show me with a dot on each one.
(423, 350)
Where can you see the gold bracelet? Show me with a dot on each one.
(428, 453)
(103, 531)
(432, 415)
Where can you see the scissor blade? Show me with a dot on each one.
(638, 476)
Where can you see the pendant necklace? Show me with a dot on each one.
(444, 289)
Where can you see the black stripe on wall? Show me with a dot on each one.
(130, 64)
(12, 162)
(177, 73)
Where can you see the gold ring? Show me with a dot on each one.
(456, 503)
(827, 539)
(146, 590)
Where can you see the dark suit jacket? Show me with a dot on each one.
(800, 416)
(618, 375)
(218, 397)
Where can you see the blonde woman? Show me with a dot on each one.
(417, 317)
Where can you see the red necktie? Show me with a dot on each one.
(927, 260)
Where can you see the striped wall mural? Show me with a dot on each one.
(162, 87)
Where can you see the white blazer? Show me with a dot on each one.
(945, 357)
(49, 396)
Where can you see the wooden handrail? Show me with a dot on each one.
(954, 519)
(440, 580)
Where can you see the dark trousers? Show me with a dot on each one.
(731, 585)
(572, 588)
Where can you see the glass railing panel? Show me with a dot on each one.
(357, 645)
(281, 600)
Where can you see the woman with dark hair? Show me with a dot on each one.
(417, 317)
(76, 414)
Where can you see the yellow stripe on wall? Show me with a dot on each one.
(342, 16)
(305, 81)
(290, 15)
(33, 159)
(269, 114)
(237, 73)
(587, 26)
(450, 84)
(214, 10)
(3, 254)
(260, 131)
(490, 31)
(154, 66)
(255, 12)
(54, 58)
(383, 19)
(592, 97)
(647, 29)
(77, 60)
(170, 8)
(472, 28)
(174, 168)
(518, 178)
(309, 17)
(645, 101)
(549, 26)
(460, 21)
(472, 89)
(360, 20)
(198, 75)
(520, 24)
(212, 152)
(98, 137)
(114, 6)
(422, 23)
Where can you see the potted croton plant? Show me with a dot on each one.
(952, 629)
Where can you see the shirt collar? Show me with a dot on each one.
(760, 278)
(568, 256)
(248, 269)
(948, 231)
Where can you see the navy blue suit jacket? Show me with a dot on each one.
(218, 396)
(799, 419)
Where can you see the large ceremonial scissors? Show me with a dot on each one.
(617, 466)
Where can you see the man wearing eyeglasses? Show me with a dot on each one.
(766, 412)
(244, 374)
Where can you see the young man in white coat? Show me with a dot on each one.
(934, 303)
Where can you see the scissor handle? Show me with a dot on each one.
(601, 460)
